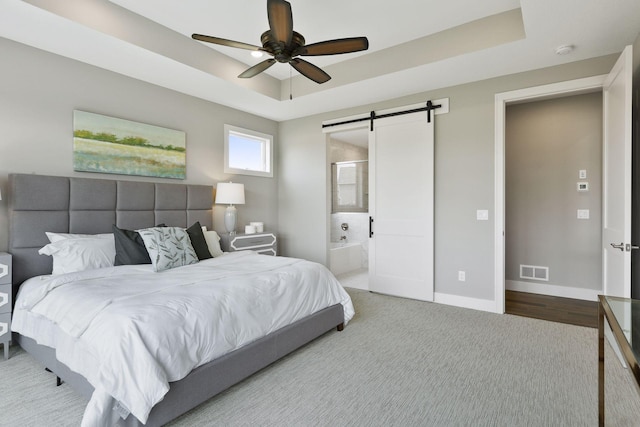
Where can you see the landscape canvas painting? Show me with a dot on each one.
(110, 145)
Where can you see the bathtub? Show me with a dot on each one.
(345, 257)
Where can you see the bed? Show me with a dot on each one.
(40, 204)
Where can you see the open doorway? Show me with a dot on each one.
(540, 93)
(553, 205)
(348, 165)
(553, 196)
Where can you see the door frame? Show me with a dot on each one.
(537, 93)
(327, 132)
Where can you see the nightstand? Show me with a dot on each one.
(263, 243)
(5, 301)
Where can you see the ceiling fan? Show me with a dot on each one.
(285, 45)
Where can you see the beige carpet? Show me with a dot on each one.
(399, 362)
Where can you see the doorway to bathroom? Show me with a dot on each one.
(348, 164)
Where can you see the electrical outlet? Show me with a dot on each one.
(462, 276)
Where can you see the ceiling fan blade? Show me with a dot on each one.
(280, 20)
(310, 71)
(334, 47)
(257, 69)
(225, 42)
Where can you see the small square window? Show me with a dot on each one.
(247, 152)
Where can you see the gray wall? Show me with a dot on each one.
(340, 151)
(464, 176)
(547, 143)
(39, 92)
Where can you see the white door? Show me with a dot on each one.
(616, 218)
(401, 206)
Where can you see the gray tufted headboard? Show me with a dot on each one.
(40, 203)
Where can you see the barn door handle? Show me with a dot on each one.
(370, 227)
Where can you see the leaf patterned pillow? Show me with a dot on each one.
(168, 247)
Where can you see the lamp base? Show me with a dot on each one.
(230, 218)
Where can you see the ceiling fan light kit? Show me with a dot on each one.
(285, 45)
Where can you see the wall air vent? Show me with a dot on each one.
(534, 272)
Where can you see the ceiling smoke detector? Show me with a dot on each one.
(564, 49)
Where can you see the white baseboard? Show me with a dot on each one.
(356, 285)
(465, 302)
(553, 290)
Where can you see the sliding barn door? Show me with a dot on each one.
(401, 206)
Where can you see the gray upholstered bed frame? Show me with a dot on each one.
(89, 206)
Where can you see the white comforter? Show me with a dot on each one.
(130, 331)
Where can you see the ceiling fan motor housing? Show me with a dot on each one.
(279, 51)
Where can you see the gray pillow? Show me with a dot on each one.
(198, 241)
(168, 247)
(130, 249)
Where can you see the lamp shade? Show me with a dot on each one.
(230, 193)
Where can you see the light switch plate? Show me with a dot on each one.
(482, 215)
(582, 174)
(583, 213)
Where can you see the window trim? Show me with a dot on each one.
(269, 151)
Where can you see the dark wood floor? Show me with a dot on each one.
(555, 309)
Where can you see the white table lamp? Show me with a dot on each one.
(232, 194)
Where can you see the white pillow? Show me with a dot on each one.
(168, 247)
(79, 254)
(213, 242)
(56, 237)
